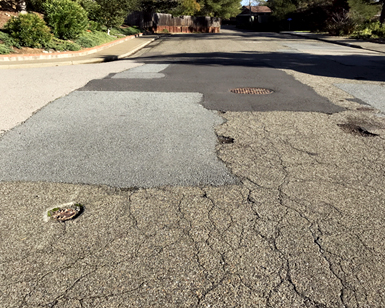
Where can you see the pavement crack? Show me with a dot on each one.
(307, 301)
(201, 297)
(317, 240)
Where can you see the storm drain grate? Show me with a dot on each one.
(259, 91)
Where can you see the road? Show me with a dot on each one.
(196, 196)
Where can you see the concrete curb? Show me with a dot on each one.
(67, 54)
(314, 37)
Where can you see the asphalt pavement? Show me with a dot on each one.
(188, 198)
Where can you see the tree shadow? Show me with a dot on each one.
(355, 67)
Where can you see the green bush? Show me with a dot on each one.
(29, 30)
(94, 26)
(61, 45)
(8, 40)
(35, 5)
(130, 30)
(124, 31)
(92, 8)
(4, 49)
(380, 32)
(341, 23)
(66, 18)
(92, 39)
(370, 30)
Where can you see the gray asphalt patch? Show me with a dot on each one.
(373, 95)
(119, 139)
(129, 75)
(215, 82)
(147, 71)
(149, 68)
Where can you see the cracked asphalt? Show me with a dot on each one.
(303, 227)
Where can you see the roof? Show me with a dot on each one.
(256, 9)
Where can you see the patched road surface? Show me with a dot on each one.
(194, 196)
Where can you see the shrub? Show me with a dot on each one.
(92, 8)
(8, 40)
(124, 31)
(380, 32)
(61, 45)
(35, 5)
(66, 18)
(93, 39)
(4, 49)
(94, 26)
(29, 30)
(341, 23)
(370, 30)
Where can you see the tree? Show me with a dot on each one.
(186, 7)
(158, 6)
(362, 10)
(220, 8)
(281, 8)
(113, 12)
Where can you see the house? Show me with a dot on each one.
(253, 15)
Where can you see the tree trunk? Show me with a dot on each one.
(382, 16)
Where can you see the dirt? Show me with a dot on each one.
(5, 16)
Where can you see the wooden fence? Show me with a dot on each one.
(157, 23)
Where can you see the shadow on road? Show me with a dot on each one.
(350, 66)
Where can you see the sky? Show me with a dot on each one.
(246, 2)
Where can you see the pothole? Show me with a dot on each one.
(367, 109)
(224, 139)
(356, 130)
(258, 91)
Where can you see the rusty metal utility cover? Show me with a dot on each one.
(260, 91)
(64, 214)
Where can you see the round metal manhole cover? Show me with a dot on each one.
(260, 91)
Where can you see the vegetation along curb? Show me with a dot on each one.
(67, 54)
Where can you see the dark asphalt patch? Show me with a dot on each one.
(215, 81)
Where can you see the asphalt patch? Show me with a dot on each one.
(215, 83)
(371, 94)
(123, 139)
